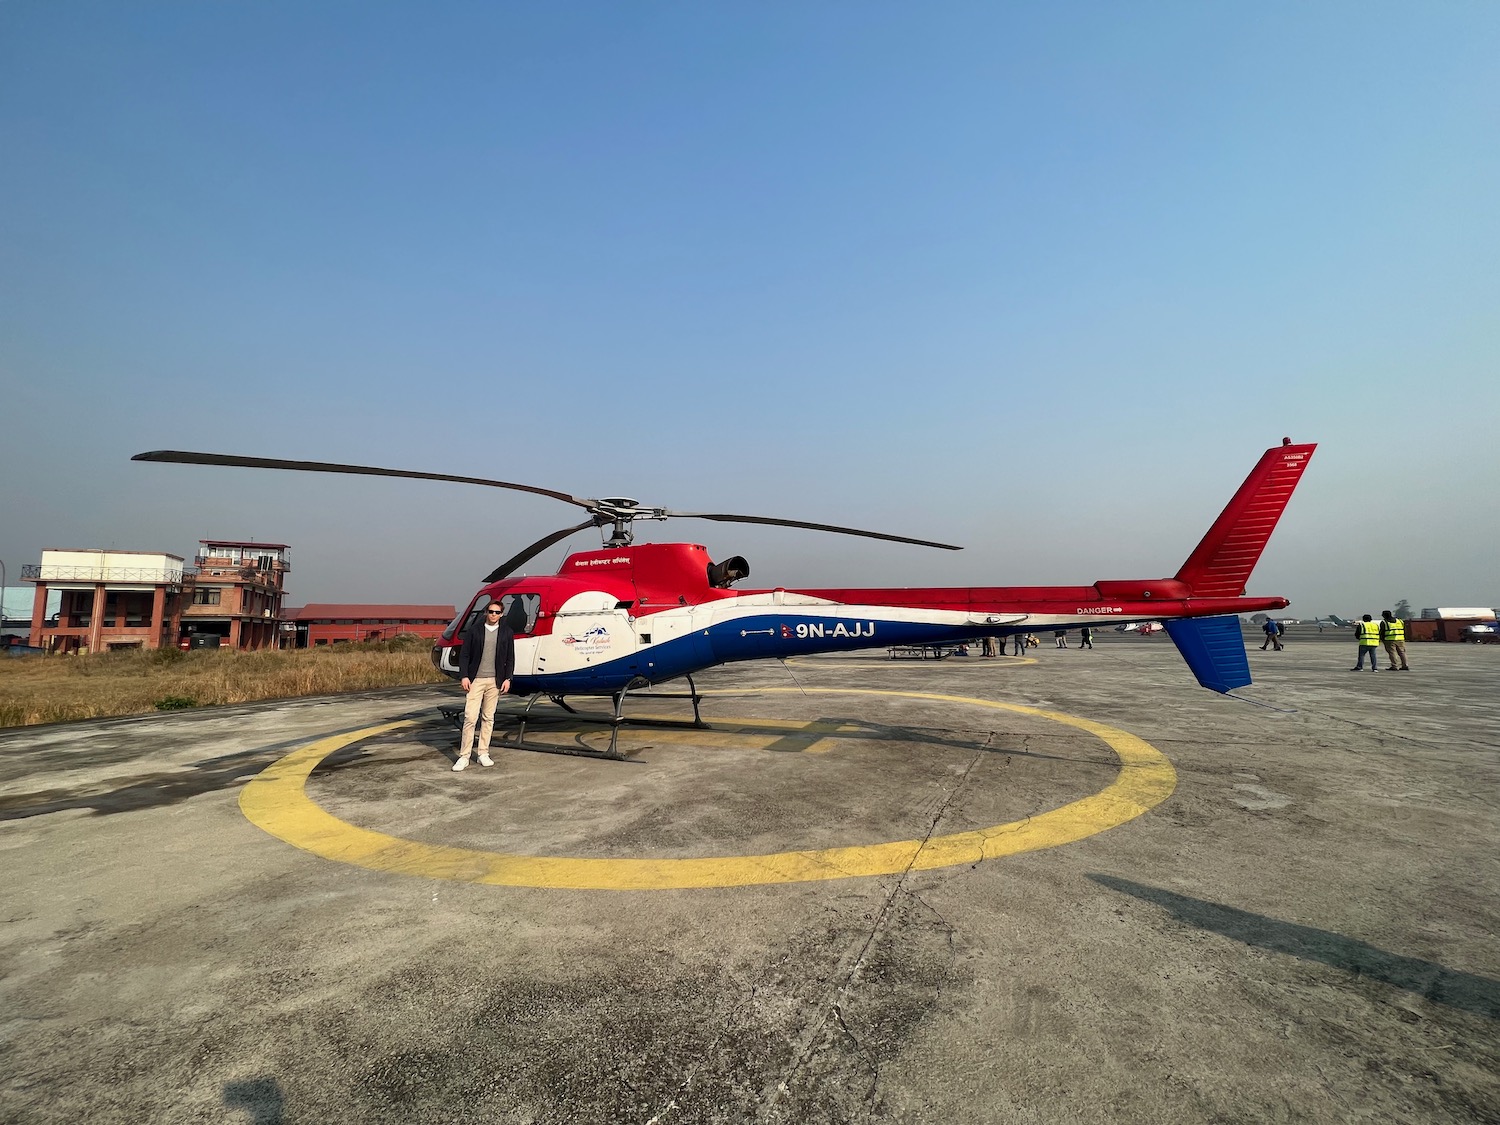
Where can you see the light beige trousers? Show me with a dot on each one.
(479, 706)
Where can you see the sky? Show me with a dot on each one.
(1040, 280)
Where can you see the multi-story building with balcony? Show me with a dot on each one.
(109, 600)
(136, 599)
(237, 591)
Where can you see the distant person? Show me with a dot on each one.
(1272, 629)
(1393, 636)
(1019, 641)
(1368, 635)
(988, 646)
(1032, 642)
(486, 661)
(1085, 638)
(1061, 637)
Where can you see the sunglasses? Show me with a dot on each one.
(493, 612)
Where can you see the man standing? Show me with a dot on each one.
(485, 661)
(1272, 629)
(1368, 634)
(1085, 638)
(1393, 636)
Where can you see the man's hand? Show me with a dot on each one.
(464, 683)
(505, 688)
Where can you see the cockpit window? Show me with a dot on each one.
(521, 612)
(461, 622)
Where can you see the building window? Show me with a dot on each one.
(208, 596)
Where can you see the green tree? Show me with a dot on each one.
(1403, 610)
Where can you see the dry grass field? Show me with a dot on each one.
(49, 689)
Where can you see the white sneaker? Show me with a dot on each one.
(461, 764)
(485, 759)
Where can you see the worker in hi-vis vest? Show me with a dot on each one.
(1393, 636)
(1368, 634)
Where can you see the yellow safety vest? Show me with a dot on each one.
(1368, 633)
(1393, 630)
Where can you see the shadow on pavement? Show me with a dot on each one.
(165, 787)
(260, 1097)
(1464, 991)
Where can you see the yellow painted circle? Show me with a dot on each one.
(276, 800)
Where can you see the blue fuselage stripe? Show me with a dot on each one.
(749, 638)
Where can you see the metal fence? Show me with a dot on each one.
(50, 573)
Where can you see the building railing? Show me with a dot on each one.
(44, 572)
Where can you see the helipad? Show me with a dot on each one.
(277, 801)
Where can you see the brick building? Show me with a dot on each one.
(108, 600)
(324, 623)
(236, 593)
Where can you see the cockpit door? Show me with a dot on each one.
(521, 612)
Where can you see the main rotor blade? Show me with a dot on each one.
(725, 518)
(184, 458)
(535, 549)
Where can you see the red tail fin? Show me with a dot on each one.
(1221, 564)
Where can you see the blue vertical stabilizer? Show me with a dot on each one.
(1214, 649)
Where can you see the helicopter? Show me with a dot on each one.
(629, 616)
(1144, 628)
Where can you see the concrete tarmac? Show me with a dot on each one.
(944, 900)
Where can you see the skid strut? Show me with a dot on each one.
(641, 682)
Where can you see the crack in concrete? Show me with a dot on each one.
(707, 1053)
(817, 1032)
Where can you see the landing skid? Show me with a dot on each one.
(455, 715)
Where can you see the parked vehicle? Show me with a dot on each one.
(1480, 633)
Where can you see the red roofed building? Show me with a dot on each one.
(324, 623)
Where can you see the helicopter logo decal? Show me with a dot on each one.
(593, 640)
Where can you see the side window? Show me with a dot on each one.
(521, 611)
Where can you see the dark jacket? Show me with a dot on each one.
(472, 651)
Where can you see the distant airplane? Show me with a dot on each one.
(1333, 621)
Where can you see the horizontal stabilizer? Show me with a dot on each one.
(1214, 649)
